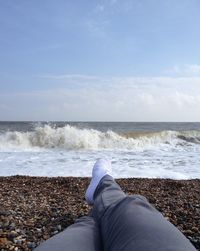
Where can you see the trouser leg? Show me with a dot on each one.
(132, 223)
(82, 235)
(107, 193)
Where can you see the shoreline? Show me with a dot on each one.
(33, 209)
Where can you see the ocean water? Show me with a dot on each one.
(153, 150)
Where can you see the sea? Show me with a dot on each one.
(147, 150)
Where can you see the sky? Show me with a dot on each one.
(100, 60)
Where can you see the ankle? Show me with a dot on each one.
(101, 168)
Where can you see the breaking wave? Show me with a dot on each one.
(72, 138)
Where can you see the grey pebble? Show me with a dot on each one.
(31, 245)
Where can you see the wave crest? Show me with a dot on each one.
(70, 137)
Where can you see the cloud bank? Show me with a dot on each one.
(94, 98)
(185, 70)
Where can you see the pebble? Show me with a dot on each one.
(12, 226)
(4, 212)
(39, 230)
(12, 235)
(49, 205)
(55, 232)
(31, 245)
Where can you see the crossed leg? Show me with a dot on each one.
(82, 235)
(132, 223)
(118, 222)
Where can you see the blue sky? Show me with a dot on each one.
(111, 60)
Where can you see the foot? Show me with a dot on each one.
(101, 168)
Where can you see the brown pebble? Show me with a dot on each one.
(36, 207)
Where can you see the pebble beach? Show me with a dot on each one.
(32, 209)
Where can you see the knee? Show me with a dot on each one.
(138, 202)
(138, 197)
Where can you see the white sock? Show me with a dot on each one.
(101, 168)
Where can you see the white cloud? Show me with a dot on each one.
(71, 77)
(108, 99)
(185, 70)
(193, 69)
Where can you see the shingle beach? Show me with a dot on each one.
(32, 209)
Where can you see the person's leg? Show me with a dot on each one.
(131, 223)
(82, 235)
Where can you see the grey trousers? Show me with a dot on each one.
(119, 222)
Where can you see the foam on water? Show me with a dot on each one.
(71, 151)
(72, 138)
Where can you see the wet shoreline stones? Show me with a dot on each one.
(32, 209)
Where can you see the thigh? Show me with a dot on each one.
(82, 235)
(134, 224)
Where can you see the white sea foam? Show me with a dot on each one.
(72, 138)
(71, 151)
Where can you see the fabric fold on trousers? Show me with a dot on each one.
(132, 223)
